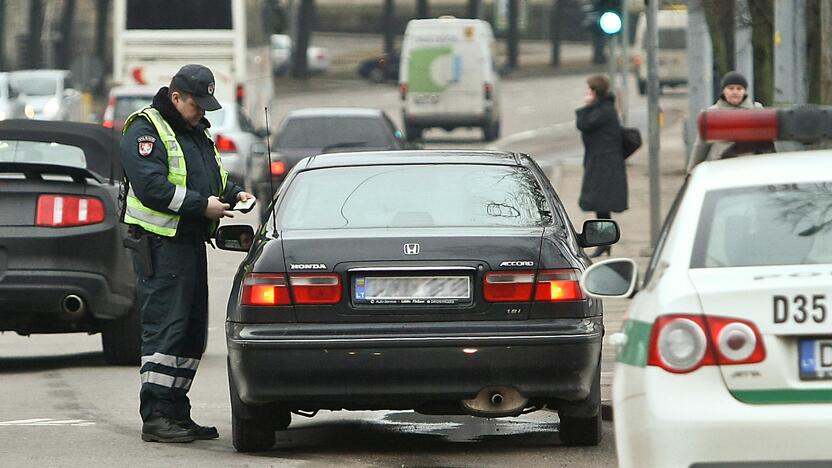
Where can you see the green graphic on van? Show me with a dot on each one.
(432, 69)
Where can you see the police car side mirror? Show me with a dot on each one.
(235, 237)
(614, 278)
(599, 232)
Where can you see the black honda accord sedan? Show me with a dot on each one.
(63, 267)
(440, 281)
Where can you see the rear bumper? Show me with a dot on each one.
(450, 120)
(31, 301)
(402, 366)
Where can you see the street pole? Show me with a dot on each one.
(612, 68)
(700, 69)
(513, 33)
(3, 41)
(790, 80)
(625, 64)
(653, 118)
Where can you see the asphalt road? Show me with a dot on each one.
(61, 405)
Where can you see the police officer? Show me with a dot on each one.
(733, 97)
(177, 192)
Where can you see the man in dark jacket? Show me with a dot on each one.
(604, 187)
(177, 192)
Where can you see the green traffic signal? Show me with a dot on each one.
(610, 22)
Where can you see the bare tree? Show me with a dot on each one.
(64, 47)
(306, 15)
(3, 35)
(720, 17)
(422, 10)
(762, 34)
(32, 52)
(101, 16)
(555, 27)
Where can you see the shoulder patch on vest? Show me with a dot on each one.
(146, 144)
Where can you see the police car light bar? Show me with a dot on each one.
(806, 124)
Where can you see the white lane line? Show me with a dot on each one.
(22, 421)
(48, 422)
(530, 134)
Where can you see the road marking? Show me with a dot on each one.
(48, 422)
(529, 134)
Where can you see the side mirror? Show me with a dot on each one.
(236, 237)
(599, 232)
(611, 278)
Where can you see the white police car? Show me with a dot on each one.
(726, 353)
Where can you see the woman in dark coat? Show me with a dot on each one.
(604, 188)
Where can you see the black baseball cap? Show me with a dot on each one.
(198, 81)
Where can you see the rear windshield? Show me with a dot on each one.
(765, 225)
(414, 196)
(179, 14)
(673, 39)
(36, 85)
(334, 133)
(126, 105)
(41, 152)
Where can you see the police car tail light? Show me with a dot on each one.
(557, 285)
(736, 341)
(316, 288)
(679, 344)
(265, 289)
(225, 144)
(68, 211)
(508, 286)
(730, 125)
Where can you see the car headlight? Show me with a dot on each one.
(51, 108)
(29, 111)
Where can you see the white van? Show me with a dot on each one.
(448, 78)
(673, 57)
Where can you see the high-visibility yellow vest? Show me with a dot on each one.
(157, 222)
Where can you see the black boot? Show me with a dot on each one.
(601, 251)
(200, 432)
(163, 429)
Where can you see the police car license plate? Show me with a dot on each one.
(816, 359)
(411, 289)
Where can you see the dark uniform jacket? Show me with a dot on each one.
(604, 185)
(148, 175)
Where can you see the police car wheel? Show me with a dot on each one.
(121, 339)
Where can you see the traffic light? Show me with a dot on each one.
(609, 16)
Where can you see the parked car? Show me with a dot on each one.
(123, 101)
(726, 345)
(311, 131)
(11, 106)
(440, 281)
(64, 268)
(673, 54)
(48, 94)
(380, 69)
(317, 58)
(235, 138)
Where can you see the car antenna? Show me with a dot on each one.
(113, 156)
(269, 171)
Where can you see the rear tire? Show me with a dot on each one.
(642, 87)
(121, 339)
(412, 133)
(491, 132)
(584, 431)
(252, 428)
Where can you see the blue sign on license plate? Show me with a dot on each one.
(816, 359)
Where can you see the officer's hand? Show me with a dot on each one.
(243, 196)
(216, 209)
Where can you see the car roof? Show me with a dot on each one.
(373, 158)
(133, 90)
(776, 168)
(335, 112)
(99, 144)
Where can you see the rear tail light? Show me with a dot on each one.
(487, 90)
(240, 94)
(274, 289)
(683, 343)
(316, 288)
(403, 88)
(278, 168)
(225, 144)
(68, 210)
(519, 286)
(265, 289)
(107, 124)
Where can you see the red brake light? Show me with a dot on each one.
(316, 288)
(225, 144)
(107, 124)
(508, 286)
(403, 88)
(682, 343)
(278, 168)
(68, 210)
(557, 285)
(748, 125)
(265, 289)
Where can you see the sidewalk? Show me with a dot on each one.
(634, 223)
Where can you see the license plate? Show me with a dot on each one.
(816, 359)
(411, 289)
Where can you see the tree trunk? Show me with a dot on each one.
(513, 33)
(720, 17)
(474, 7)
(306, 16)
(422, 10)
(813, 50)
(555, 27)
(762, 34)
(826, 53)
(32, 51)
(101, 22)
(3, 35)
(387, 26)
(64, 46)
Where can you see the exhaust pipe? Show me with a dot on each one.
(496, 399)
(495, 402)
(73, 307)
